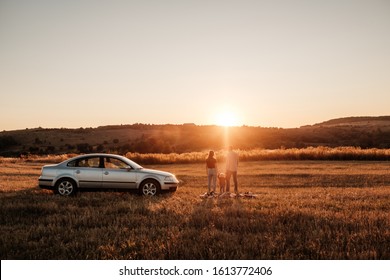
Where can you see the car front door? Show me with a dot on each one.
(117, 174)
(89, 173)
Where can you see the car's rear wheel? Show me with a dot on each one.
(66, 187)
(150, 187)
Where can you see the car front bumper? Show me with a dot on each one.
(169, 186)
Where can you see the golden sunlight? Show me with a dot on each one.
(227, 118)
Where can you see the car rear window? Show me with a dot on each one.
(93, 162)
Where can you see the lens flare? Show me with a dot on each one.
(227, 118)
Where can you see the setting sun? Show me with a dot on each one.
(227, 118)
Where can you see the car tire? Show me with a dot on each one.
(149, 187)
(66, 187)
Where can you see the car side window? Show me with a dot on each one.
(113, 163)
(93, 162)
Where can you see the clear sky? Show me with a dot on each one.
(279, 63)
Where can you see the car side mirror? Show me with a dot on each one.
(128, 168)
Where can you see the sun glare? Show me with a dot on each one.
(227, 118)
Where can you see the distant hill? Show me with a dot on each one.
(358, 121)
(364, 132)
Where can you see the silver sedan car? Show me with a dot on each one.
(106, 171)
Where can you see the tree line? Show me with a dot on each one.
(165, 139)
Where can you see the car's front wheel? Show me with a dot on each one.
(150, 187)
(66, 187)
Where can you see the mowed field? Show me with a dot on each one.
(303, 210)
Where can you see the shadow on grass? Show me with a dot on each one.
(228, 229)
(119, 225)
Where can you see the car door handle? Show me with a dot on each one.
(106, 173)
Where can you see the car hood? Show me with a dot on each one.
(155, 172)
(50, 165)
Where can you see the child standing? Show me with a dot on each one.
(222, 182)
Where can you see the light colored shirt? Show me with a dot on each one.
(232, 161)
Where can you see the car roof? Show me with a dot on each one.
(93, 155)
(99, 154)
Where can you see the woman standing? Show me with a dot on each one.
(211, 171)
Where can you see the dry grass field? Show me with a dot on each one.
(303, 210)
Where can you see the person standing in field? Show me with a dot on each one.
(211, 171)
(231, 169)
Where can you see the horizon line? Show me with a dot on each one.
(190, 124)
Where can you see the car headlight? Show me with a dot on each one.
(170, 179)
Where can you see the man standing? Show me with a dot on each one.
(231, 169)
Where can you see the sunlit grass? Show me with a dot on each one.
(303, 210)
(310, 153)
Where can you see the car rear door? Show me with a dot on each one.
(89, 173)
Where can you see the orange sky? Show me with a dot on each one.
(262, 63)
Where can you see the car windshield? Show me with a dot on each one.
(132, 163)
